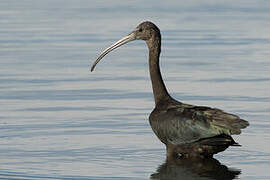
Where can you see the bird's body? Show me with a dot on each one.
(192, 131)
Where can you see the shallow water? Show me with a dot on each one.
(59, 121)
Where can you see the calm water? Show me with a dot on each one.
(59, 121)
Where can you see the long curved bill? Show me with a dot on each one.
(119, 43)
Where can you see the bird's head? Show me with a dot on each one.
(145, 31)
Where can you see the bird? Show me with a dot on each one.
(188, 131)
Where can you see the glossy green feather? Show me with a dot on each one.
(182, 123)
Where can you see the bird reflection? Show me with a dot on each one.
(187, 169)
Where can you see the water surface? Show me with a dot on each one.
(59, 121)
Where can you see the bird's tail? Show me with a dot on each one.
(220, 140)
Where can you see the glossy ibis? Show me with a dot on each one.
(188, 130)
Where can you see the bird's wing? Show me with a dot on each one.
(219, 119)
(186, 123)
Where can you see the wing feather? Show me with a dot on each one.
(185, 123)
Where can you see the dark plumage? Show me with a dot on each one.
(192, 131)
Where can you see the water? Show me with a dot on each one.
(59, 121)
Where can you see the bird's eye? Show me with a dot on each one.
(140, 30)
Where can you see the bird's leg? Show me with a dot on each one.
(170, 152)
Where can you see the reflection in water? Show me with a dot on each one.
(186, 169)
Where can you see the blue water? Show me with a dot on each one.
(59, 121)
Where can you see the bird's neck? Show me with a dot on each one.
(159, 89)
